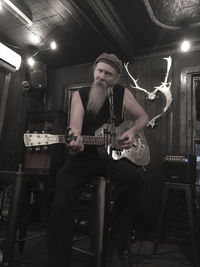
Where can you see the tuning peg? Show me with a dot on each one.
(27, 131)
(45, 148)
(37, 148)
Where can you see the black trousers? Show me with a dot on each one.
(76, 172)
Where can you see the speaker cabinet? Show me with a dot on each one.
(38, 76)
(179, 168)
(48, 159)
(37, 162)
(38, 79)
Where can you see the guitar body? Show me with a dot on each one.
(139, 153)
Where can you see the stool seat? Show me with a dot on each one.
(189, 195)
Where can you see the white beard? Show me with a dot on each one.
(97, 96)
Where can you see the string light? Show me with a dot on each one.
(31, 61)
(185, 46)
(53, 45)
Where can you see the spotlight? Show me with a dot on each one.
(53, 45)
(185, 46)
(31, 61)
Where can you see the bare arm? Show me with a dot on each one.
(141, 118)
(76, 122)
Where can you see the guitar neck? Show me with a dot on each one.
(87, 140)
(93, 140)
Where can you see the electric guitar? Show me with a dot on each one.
(138, 153)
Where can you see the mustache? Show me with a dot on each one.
(99, 82)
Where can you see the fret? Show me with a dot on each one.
(93, 140)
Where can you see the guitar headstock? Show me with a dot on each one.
(36, 139)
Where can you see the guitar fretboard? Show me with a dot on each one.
(87, 140)
(93, 140)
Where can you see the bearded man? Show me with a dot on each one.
(90, 109)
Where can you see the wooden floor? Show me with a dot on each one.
(167, 254)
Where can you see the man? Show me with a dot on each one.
(89, 110)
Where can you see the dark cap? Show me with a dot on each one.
(110, 59)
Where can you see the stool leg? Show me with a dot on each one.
(161, 216)
(107, 226)
(13, 217)
(100, 220)
(190, 210)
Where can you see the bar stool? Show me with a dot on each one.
(17, 182)
(189, 194)
(16, 179)
(100, 237)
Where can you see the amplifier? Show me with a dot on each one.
(179, 168)
(46, 160)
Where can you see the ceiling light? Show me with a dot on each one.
(185, 46)
(53, 45)
(31, 61)
(17, 12)
(35, 39)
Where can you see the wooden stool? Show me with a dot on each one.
(189, 193)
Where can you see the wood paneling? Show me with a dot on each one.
(186, 110)
(18, 103)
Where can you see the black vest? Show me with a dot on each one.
(92, 122)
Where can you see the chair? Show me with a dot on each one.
(188, 191)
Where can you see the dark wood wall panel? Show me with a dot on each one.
(60, 79)
(187, 120)
(19, 102)
(11, 145)
(2, 78)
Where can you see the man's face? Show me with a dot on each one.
(105, 75)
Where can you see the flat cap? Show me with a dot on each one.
(110, 59)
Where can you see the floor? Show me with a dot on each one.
(170, 253)
(142, 254)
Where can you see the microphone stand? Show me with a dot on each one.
(111, 141)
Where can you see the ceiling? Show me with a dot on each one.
(85, 28)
